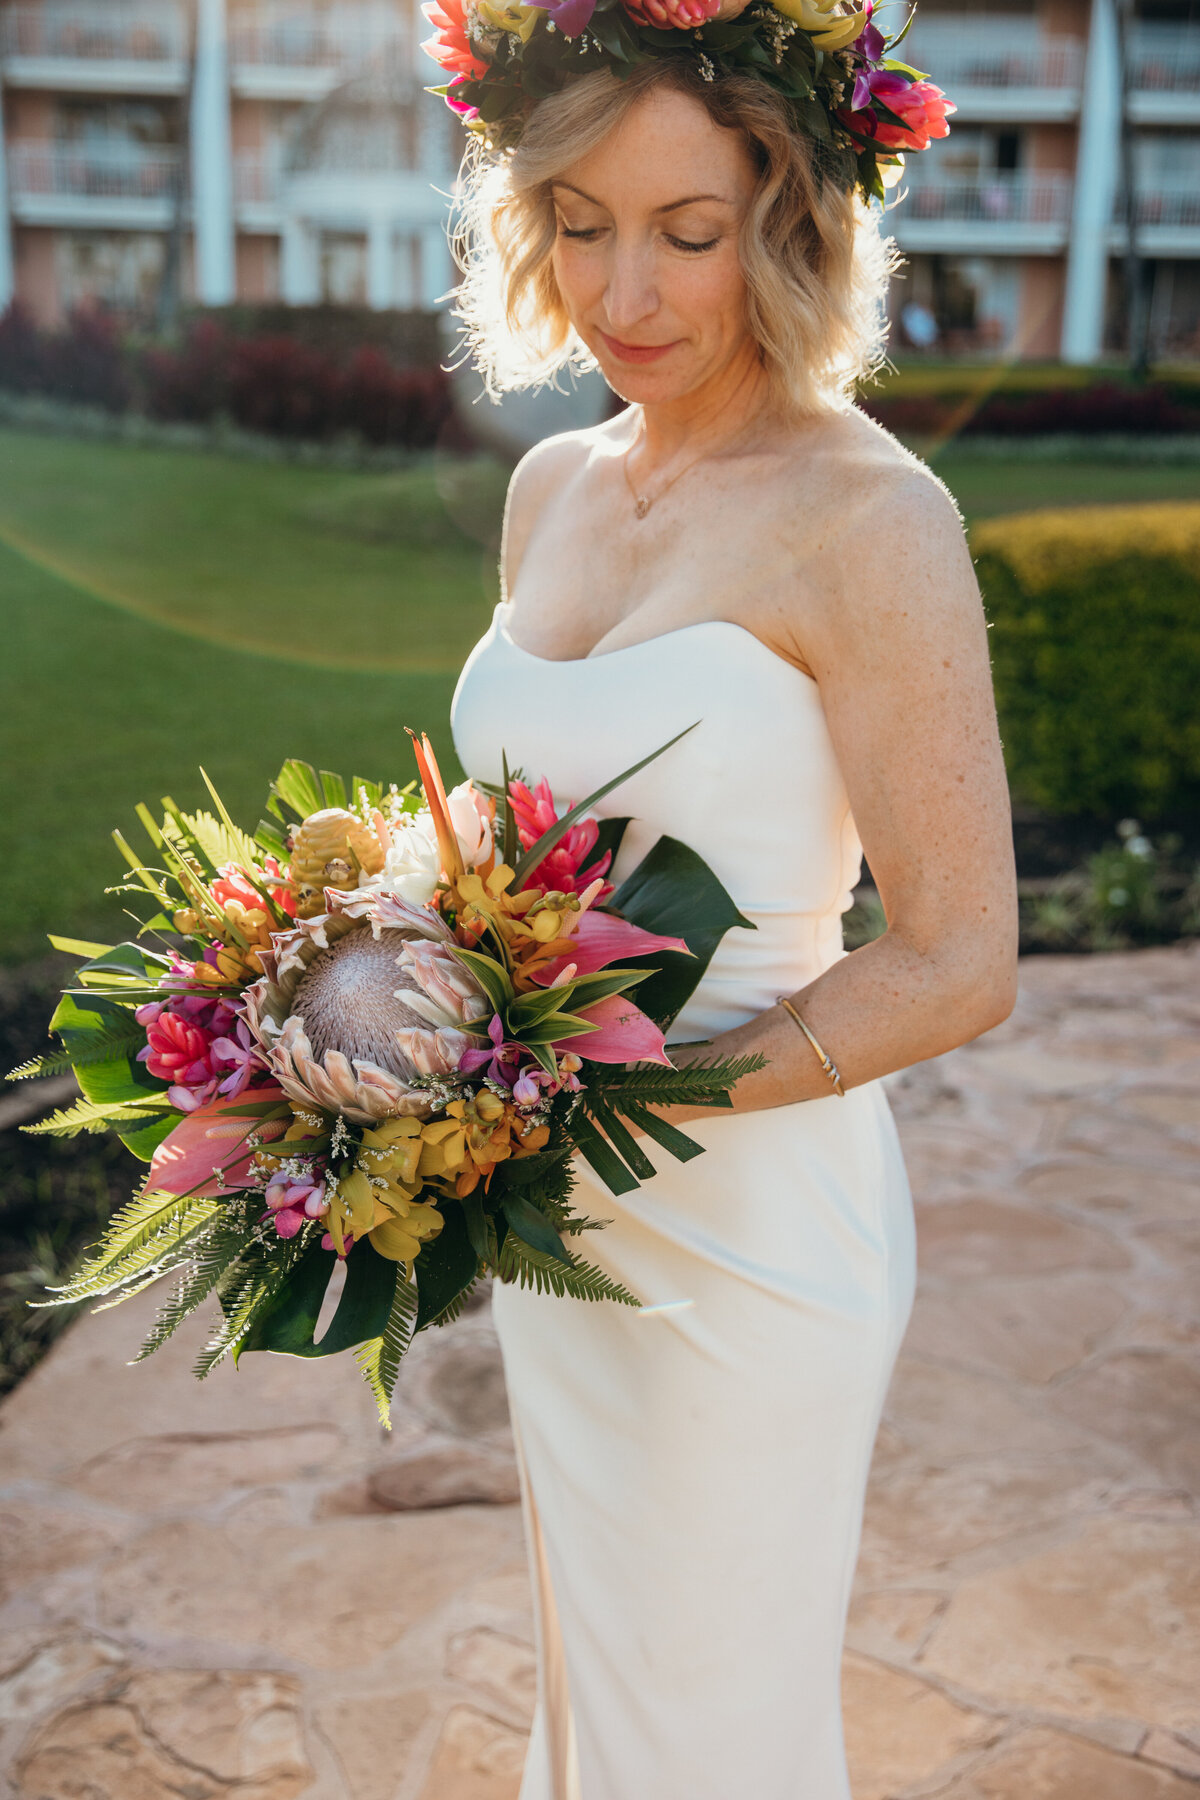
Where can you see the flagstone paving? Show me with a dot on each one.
(242, 1591)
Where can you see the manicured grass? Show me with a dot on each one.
(163, 609)
(341, 571)
(100, 708)
(986, 486)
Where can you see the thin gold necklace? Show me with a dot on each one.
(643, 502)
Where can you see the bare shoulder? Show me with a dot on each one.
(543, 476)
(891, 561)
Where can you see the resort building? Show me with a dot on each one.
(288, 149)
(283, 150)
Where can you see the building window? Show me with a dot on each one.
(116, 269)
(343, 268)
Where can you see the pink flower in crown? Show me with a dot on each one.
(921, 106)
(566, 870)
(451, 43)
(679, 15)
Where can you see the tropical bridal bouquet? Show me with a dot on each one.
(375, 1033)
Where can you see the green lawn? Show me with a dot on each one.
(163, 609)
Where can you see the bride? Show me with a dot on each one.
(740, 550)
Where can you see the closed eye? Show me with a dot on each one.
(695, 249)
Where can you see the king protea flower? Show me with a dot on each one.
(361, 1000)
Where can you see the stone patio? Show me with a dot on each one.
(209, 1593)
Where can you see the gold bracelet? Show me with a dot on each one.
(828, 1065)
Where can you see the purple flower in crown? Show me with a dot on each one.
(568, 16)
(871, 45)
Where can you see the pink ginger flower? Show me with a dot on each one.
(179, 1053)
(680, 15)
(563, 871)
(233, 884)
(922, 106)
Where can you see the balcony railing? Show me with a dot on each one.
(93, 33)
(303, 40)
(1175, 205)
(1164, 59)
(969, 53)
(113, 171)
(1003, 198)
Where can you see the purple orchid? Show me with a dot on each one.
(571, 17)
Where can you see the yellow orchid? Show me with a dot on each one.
(517, 20)
(829, 28)
(399, 1238)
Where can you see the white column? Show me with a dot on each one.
(7, 272)
(212, 159)
(299, 274)
(380, 250)
(1096, 168)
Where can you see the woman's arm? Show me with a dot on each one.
(901, 657)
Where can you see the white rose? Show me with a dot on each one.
(412, 867)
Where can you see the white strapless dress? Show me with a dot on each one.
(693, 1478)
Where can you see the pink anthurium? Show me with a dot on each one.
(208, 1151)
(624, 1033)
(601, 939)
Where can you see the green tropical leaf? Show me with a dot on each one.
(674, 892)
(446, 1265)
(682, 1147)
(601, 1155)
(78, 947)
(549, 839)
(533, 1227)
(333, 789)
(491, 977)
(622, 1139)
(297, 787)
(287, 1326)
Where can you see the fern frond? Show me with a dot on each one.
(379, 1358)
(250, 1284)
(102, 1046)
(220, 840)
(693, 1085)
(454, 1308)
(141, 1234)
(97, 1116)
(582, 1281)
(212, 1256)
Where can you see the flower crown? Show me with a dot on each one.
(834, 67)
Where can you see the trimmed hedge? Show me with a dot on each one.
(1102, 406)
(1095, 618)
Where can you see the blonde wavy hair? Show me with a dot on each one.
(815, 261)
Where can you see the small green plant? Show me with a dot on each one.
(1133, 891)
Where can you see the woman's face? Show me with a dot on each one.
(646, 255)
